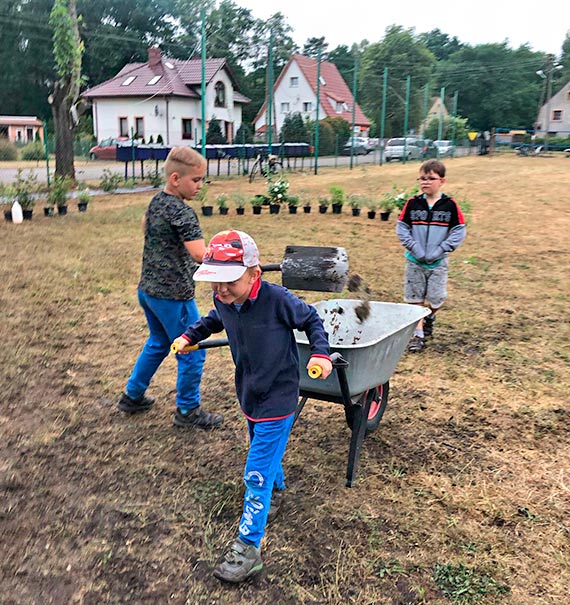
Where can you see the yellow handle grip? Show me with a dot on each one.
(174, 348)
(315, 371)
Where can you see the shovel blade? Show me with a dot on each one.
(318, 268)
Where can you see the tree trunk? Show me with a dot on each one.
(60, 106)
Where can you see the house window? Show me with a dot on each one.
(186, 128)
(153, 81)
(123, 127)
(128, 81)
(220, 98)
(30, 134)
(557, 115)
(308, 106)
(139, 128)
(294, 82)
(284, 107)
(339, 106)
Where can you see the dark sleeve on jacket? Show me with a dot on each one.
(204, 327)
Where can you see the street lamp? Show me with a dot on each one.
(550, 69)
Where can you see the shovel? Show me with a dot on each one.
(318, 268)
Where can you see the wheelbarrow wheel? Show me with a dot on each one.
(378, 399)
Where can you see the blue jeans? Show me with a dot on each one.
(263, 472)
(168, 319)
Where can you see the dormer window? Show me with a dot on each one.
(339, 106)
(129, 81)
(220, 98)
(153, 81)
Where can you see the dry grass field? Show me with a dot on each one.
(462, 494)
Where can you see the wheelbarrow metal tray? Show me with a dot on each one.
(372, 347)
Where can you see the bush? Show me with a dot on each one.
(110, 181)
(33, 151)
(8, 151)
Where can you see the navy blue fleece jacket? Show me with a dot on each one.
(263, 347)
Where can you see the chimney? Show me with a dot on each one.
(154, 56)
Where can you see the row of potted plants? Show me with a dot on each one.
(25, 191)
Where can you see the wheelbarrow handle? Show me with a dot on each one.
(203, 344)
(271, 267)
(337, 362)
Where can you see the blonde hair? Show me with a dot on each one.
(182, 160)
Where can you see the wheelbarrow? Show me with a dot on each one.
(364, 356)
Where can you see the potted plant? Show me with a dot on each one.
(57, 195)
(240, 203)
(337, 198)
(83, 200)
(371, 209)
(48, 207)
(257, 202)
(202, 197)
(306, 202)
(386, 207)
(293, 202)
(277, 195)
(24, 188)
(324, 203)
(222, 202)
(355, 202)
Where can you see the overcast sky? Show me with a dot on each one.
(544, 26)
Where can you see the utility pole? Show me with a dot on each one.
(354, 81)
(269, 121)
(317, 112)
(203, 89)
(383, 115)
(406, 113)
(441, 107)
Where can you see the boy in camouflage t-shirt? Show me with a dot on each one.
(173, 246)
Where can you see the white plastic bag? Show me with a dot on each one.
(17, 214)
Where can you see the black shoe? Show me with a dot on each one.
(134, 406)
(277, 498)
(197, 418)
(416, 344)
(428, 325)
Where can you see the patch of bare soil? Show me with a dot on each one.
(466, 474)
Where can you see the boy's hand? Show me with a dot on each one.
(324, 364)
(182, 346)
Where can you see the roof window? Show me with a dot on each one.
(153, 81)
(129, 81)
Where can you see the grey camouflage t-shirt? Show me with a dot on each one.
(167, 267)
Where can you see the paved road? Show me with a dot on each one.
(92, 170)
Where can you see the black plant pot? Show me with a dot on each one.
(257, 210)
(62, 210)
(240, 211)
(48, 211)
(307, 209)
(82, 206)
(8, 215)
(27, 214)
(323, 209)
(337, 208)
(356, 212)
(292, 209)
(372, 214)
(207, 210)
(384, 216)
(224, 210)
(274, 208)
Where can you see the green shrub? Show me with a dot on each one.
(24, 187)
(57, 195)
(337, 195)
(33, 151)
(8, 151)
(110, 181)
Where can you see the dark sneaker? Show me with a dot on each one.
(241, 562)
(428, 325)
(277, 498)
(416, 344)
(134, 406)
(197, 418)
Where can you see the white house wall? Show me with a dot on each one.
(295, 97)
(559, 102)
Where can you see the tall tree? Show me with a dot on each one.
(404, 56)
(565, 59)
(343, 58)
(68, 51)
(440, 44)
(312, 47)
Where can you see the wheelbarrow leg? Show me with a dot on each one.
(358, 433)
(299, 408)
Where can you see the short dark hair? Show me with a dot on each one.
(433, 166)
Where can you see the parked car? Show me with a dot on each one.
(394, 149)
(446, 149)
(106, 149)
(360, 147)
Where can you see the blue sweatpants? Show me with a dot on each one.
(168, 319)
(263, 472)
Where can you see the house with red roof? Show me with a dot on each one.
(295, 91)
(21, 129)
(163, 97)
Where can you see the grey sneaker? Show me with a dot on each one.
(134, 406)
(277, 497)
(416, 344)
(241, 562)
(428, 325)
(197, 418)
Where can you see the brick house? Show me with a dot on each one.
(21, 129)
(163, 97)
